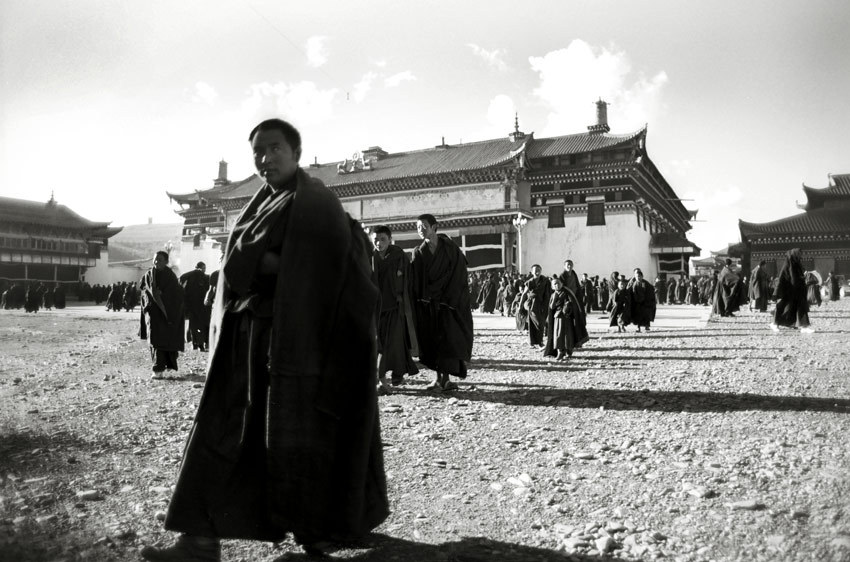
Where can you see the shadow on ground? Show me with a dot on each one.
(653, 401)
(471, 549)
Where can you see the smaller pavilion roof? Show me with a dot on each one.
(50, 213)
(817, 221)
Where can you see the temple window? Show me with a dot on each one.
(556, 216)
(596, 211)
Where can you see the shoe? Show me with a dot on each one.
(449, 386)
(807, 330)
(186, 549)
(434, 385)
(383, 390)
(397, 381)
(774, 327)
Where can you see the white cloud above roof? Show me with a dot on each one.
(204, 94)
(317, 51)
(494, 58)
(302, 101)
(398, 78)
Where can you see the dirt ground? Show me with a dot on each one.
(695, 441)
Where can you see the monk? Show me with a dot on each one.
(726, 301)
(195, 285)
(643, 301)
(443, 314)
(161, 319)
(286, 438)
(759, 287)
(396, 334)
(792, 306)
(537, 291)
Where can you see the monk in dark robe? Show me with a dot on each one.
(570, 280)
(195, 285)
(725, 301)
(566, 322)
(161, 320)
(834, 287)
(643, 301)
(286, 438)
(792, 306)
(488, 294)
(759, 288)
(813, 288)
(59, 296)
(672, 290)
(443, 315)
(396, 332)
(621, 307)
(537, 291)
(660, 291)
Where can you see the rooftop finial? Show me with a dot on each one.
(516, 122)
(601, 125)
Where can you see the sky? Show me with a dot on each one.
(109, 105)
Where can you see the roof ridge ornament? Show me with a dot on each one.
(357, 163)
(601, 125)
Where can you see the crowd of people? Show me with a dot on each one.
(31, 296)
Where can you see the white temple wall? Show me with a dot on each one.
(620, 245)
(100, 273)
(208, 252)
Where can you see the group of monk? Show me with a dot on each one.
(31, 296)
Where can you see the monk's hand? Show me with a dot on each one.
(270, 263)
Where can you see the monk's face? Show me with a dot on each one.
(425, 230)
(160, 262)
(381, 241)
(275, 160)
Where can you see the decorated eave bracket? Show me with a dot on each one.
(357, 163)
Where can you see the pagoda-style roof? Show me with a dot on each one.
(442, 159)
(817, 221)
(838, 191)
(51, 214)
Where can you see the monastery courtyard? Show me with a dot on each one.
(699, 440)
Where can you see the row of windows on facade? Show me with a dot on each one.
(588, 157)
(42, 244)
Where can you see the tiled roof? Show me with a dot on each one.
(50, 213)
(839, 188)
(437, 160)
(817, 221)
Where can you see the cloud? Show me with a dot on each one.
(396, 79)
(494, 58)
(204, 94)
(501, 112)
(574, 77)
(719, 210)
(317, 53)
(300, 101)
(363, 87)
(380, 63)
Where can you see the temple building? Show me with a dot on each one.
(511, 202)
(822, 232)
(49, 242)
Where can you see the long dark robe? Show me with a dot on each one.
(443, 316)
(834, 287)
(726, 300)
(813, 289)
(521, 313)
(286, 438)
(195, 285)
(487, 296)
(671, 291)
(537, 304)
(792, 307)
(603, 295)
(621, 308)
(162, 310)
(396, 332)
(660, 292)
(643, 303)
(569, 279)
(566, 323)
(59, 297)
(759, 289)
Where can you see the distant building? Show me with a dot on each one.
(51, 243)
(593, 197)
(717, 260)
(822, 232)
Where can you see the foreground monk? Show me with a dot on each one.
(792, 305)
(441, 293)
(286, 437)
(161, 319)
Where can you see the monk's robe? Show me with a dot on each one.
(487, 296)
(812, 289)
(834, 287)
(537, 305)
(671, 291)
(759, 289)
(725, 300)
(621, 308)
(286, 438)
(566, 323)
(569, 279)
(396, 333)
(660, 292)
(443, 315)
(792, 306)
(643, 303)
(195, 285)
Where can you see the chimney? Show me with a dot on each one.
(601, 118)
(222, 174)
(375, 152)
